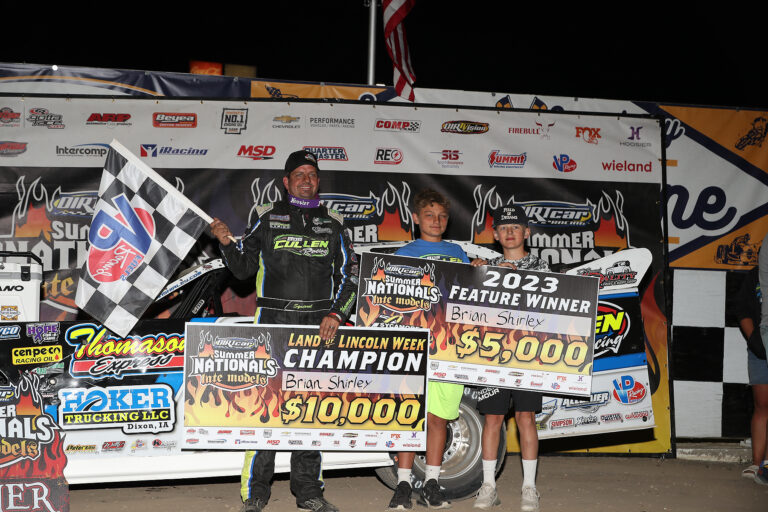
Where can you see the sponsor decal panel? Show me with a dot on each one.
(234, 120)
(9, 118)
(109, 119)
(336, 153)
(174, 120)
(12, 148)
(464, 127)
(397, 125)
(39, 116)
(388, 156)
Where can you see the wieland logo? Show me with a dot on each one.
(119, 243)
(506, 160)
(564, 163)
(625, 166)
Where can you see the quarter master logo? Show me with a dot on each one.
(328, 152)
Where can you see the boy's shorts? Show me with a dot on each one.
(496, 400)
(443, 399)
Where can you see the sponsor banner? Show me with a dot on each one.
(268, 387)
(536, 326)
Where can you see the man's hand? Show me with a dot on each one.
(478, 262)
(328, 327)
(221, 232)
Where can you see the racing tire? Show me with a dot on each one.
(462, 469)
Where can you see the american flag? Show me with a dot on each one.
(395, 12)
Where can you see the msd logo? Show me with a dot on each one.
(388, 156)
(563, 163)
(119, 243)
(257, 152)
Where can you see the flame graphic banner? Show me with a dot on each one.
(269, 386)
(490, 325)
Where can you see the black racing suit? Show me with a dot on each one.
(306, 269)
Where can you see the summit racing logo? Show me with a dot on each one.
(90, 149)
(402, 288)
(132, 408)
(611, 327)
(257, 152)
(108, 119)
(617, 274)
(328, 152)
(232, 363)
(119, 242)
(506, 160)
(12, 148)
(351, 207)
(558, 213)
(627, 390)
(464, 127)
(563, 163)
(596, 401)
(99, 354)
(588, 135)
(174, 120)
(42, 117)
(302, 245)
(397, 125)
(9, 118)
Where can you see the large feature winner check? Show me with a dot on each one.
(491, 326)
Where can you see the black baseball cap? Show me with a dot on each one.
(299, 158)
(509, 215)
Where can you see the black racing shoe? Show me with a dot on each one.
(402, 498)
(318, 504)
(253, 505)
(432, 496)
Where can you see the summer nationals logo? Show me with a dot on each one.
(119, 243)
(464, 127)
(611, 327)
(402, 288)
(100, 354)
(627, 390)
(233, 363)
(148, 408)
(174, 120)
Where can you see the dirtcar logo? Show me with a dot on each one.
(611, 327)
(42, 117)
(9, 332)
(627, 390)
(328, 152)
(36, 355)
(506, 160)
(388, 156)
(464, 127)
(12, 148)
(108, 119)
(9, 118)
(397, 125)
(588, 135)
(172, 120)
(564, 163)
(257, 152)
(555, 213)
(351, 207)
(89, 149)
(234, 120)
(75, 204)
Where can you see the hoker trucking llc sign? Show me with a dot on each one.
(282, 387)
(490, 326)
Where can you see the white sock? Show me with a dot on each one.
(432, 473)
(403, 475)
(529, 472)
(489, 472)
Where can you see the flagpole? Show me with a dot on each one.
(371, 41)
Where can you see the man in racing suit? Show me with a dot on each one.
(306, 274)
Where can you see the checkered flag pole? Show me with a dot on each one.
(141, 229)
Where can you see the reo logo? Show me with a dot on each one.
(588, 135)
(120, 242)
(257, 152)
(388, 156)
(627, 390)
(564, 163)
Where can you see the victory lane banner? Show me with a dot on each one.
(491, 326)
(254, 386)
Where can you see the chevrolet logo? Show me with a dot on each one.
(285, 119)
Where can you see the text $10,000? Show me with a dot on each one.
(329, 409)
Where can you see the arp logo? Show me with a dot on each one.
(119, 243)
(588, 135)
(388, 156)
(101, 118)
(149, 150)
(627, 390)
(564, 163)
(260, 152)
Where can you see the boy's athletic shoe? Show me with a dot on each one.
(253, 505)
(487, 497)
(761, 476)
(432, 496)
(402, 498)
(530, 499)
(318, 504)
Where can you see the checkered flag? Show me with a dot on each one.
(141, 230)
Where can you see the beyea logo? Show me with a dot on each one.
(331, 122)
(506, 160)
(131, 408)
(89, 149)
(12, 148)
(9, 332)
(301, 245)
(286, 121)
(397, 125)
(627, 390)
(625, 166)
(119, 240)
(152, 150)
(42, 117)
(36, 355)
(100, 354)
(234, 120)
(108, 119)
(259, 152)
(174, 120)
(755, 136)
(464, 127)
(9, 118)
(611, 327)
(617, 274)
(233, 363)
(588, 135)
(43, 332)
(563, 163)
(591, 404)
(388, 156)
(401, 288)
(337, 153)
(634, 139)
(449, 158)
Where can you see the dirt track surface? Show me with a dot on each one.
(571, 484)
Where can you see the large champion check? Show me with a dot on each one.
(282, 387)
(491, 326)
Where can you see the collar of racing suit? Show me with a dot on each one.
(304, 203)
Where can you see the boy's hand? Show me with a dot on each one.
(478, 262)
(508, 264)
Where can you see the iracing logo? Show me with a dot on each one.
(120, 242)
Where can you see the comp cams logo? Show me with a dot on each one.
(174, 120)
(93, 149)
(258, 152)
(397, 125)
(108, 119)
(152, 150)
(336, 153)
(234, 120)
(464, 127)
(588, 134)
(43, 117)
(388, 156)
(12, 148)
(506, 160)
(564, 163)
